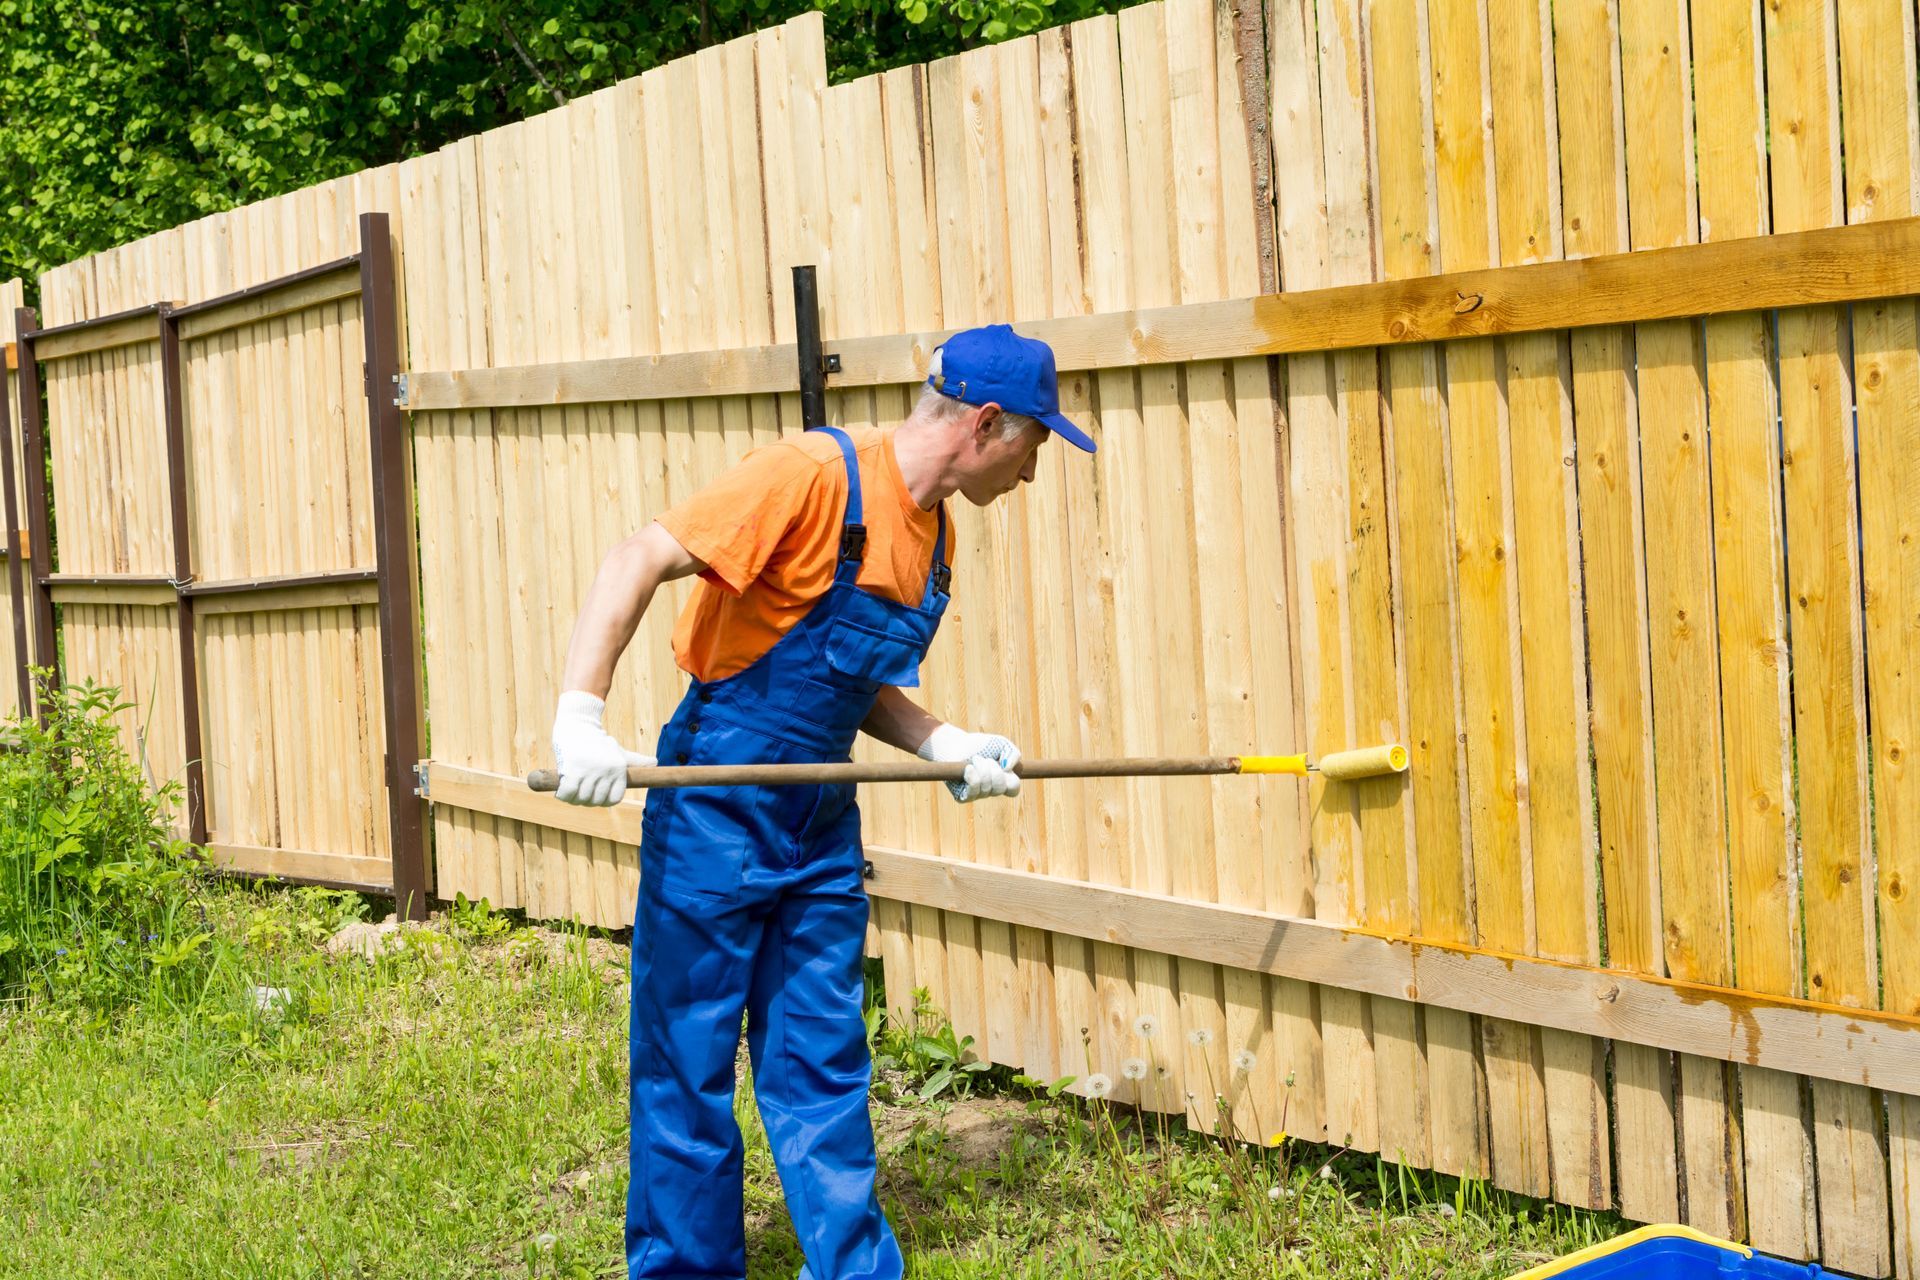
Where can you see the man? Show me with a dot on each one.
(824, 573)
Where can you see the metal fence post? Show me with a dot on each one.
(40, 551)
(814, 366)
(394, 560)
(183, 573)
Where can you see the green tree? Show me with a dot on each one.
(120, 118)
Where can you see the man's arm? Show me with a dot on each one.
(592, 763)
(898, 721)
(615, 603)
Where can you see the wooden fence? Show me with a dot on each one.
(1615, 530)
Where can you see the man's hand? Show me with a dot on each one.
(990, 759)
(592, 765)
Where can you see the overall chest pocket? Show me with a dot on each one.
(874, 656)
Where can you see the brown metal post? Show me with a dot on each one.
(394, 560)
(40, 550)
(183, 573)
(16, 571)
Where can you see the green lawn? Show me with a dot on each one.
(458, 1108)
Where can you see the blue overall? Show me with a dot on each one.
(752, 898)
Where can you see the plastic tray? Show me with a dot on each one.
(1669, 1253)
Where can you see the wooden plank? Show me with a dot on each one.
(1037, 602)
(1882, 148)
(1605, 417)
(500, 184)
(1533, 372)
(106, 335)
(1845, 264)
(1416, 239)
(1749, 574)
(1823, 592)
(1104, 212)
(963, 962)
(1203, 683)
(289, 599)
(302, 864)
(106, 593)
(275, 300)
(1656, 64)
(1299, 186)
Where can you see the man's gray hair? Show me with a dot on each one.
(937, 406)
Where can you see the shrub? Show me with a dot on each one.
(97, 895)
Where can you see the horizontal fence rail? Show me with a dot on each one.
(1837, 265)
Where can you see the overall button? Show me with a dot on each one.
(706, 695)
(680, 757)
(693, 726)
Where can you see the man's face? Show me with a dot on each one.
(994, 463)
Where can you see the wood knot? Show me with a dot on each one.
(1468, 303)
(1397, 330)
(1896, 888)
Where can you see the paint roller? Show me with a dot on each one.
(1339, 766)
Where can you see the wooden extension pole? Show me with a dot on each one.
(1367, 762)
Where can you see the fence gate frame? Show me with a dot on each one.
(394, 577)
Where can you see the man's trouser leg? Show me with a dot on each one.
(692, 964)
(811, 1069)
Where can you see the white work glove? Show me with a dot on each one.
(990, 759)
(593, 767)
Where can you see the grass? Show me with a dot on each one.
(457, 1107)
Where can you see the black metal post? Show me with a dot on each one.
(39, 549)
(393, 543)
(16, 571)
(183, 574)
(806, 332)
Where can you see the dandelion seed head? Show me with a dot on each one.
(1134, 1068)
(1200, 1037)
(1244, 1060)
(1446, 1211)
(1146, 1026)
(1099, 1085)
(1326, 1173)
(546, 1240)
(1274, 1193)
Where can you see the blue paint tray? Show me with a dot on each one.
(1670, 1253)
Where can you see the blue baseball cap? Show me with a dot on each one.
(995, 365)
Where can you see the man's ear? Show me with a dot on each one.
(986, 421)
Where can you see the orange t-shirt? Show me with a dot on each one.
(769, 533)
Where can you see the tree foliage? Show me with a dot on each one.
(119, 118)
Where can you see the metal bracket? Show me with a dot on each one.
(400, 390)
(830, 363)
(420, 780)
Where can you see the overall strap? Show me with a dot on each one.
(940, 576)
(853, 532)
